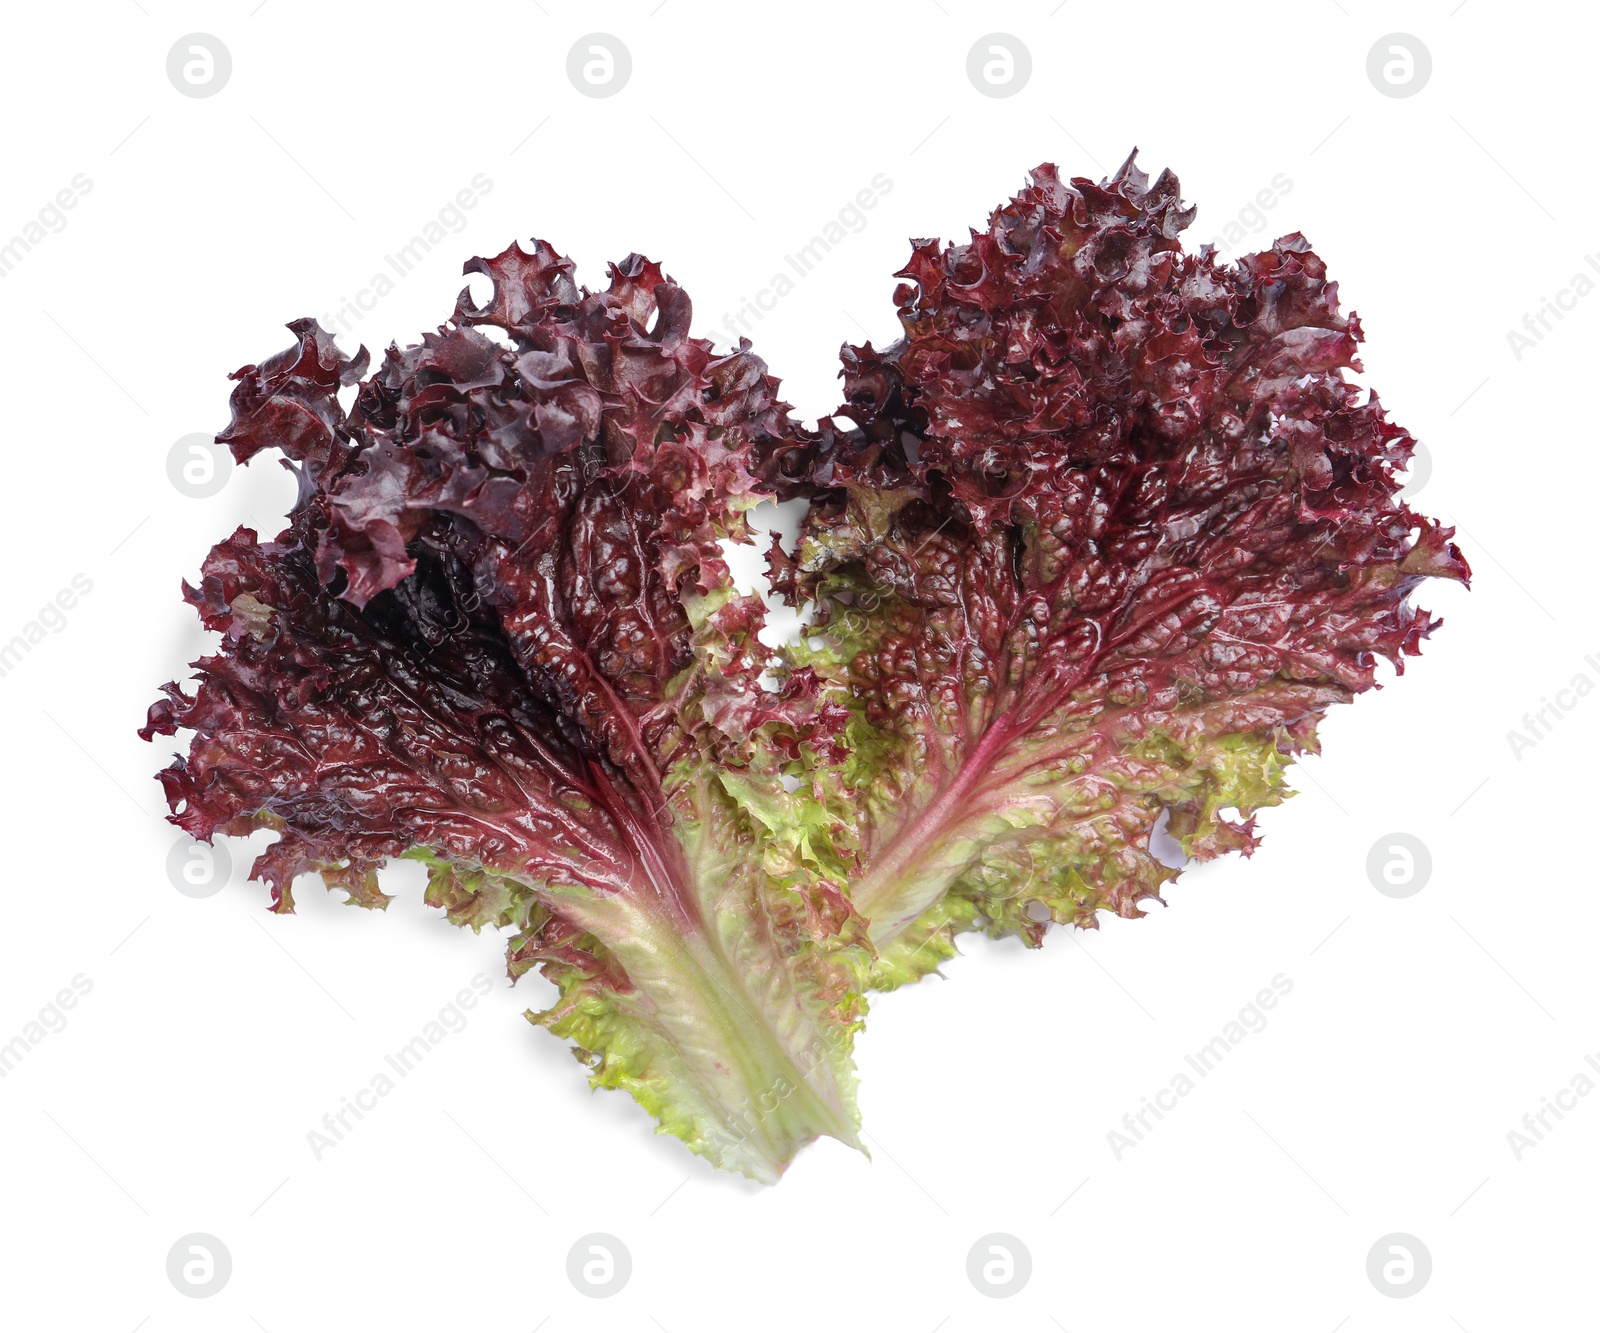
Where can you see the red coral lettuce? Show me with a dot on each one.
(499, 636)
(1112, 533)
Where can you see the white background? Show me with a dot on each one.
(1419, 1031)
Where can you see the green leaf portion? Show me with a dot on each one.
(735, 1030)
(1053, 825)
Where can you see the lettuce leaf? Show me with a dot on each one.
(1111, 533)
(499, 637)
